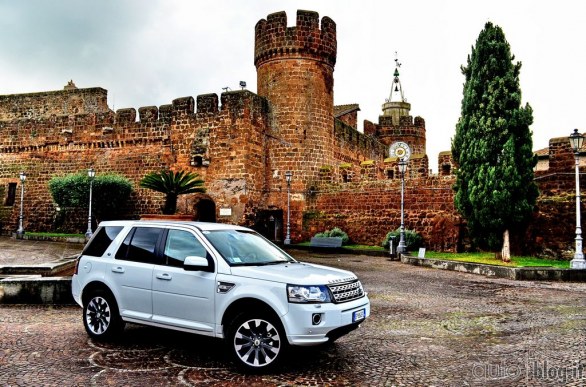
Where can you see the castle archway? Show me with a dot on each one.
(204, 208)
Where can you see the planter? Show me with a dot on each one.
(326, 242)
(175, 217)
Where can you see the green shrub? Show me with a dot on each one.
(413, 240)
(335, 232)
(109, 193)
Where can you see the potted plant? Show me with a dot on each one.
(173, 184)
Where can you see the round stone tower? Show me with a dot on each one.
(295, 67)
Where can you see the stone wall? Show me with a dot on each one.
(116, 143)
(35, 106)
(368, 210)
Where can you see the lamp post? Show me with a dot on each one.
(576, 141)
(20, 231)
(91, 174)
(288, 176)
(401, 248)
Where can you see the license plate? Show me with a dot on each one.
(359, 315)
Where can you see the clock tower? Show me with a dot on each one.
(397, 126)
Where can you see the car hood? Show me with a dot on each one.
(297, 273)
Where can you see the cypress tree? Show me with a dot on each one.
(495, 191)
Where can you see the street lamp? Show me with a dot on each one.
(288, 176)
(576, 140)
(401, 248)
(20, 231)
(91, 174)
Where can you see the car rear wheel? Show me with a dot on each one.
(257, 341)
(100, 315)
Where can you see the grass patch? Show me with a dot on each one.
(54, 235)
(489, 259)
(485, 258)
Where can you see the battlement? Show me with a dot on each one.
(40, 131)
(39, 106)
(274, 40)
(363, 143)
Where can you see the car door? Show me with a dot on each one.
(184, 298)
(132, 272)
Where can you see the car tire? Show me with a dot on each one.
(101, 317)
(257, 341)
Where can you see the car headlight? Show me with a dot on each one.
(308, 294)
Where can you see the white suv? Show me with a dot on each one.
(216, 280)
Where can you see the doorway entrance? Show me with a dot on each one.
(269, 223)
(204, 209)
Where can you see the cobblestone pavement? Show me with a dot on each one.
(428, 327)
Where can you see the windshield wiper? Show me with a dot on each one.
(259, 263)
(273, 263)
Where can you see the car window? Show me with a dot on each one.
(140, 245)
(181, 244)
(101, 240)
(246, 248)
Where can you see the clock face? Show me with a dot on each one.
(400, 150)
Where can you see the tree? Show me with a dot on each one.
(173, 184)
(110, 193)
(495, 191)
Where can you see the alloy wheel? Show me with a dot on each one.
(98, 315)
(257, 343)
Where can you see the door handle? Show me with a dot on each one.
(118, 269)
(164, 276)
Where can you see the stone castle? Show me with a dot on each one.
(242, 144)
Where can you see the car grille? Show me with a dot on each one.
(347, 291)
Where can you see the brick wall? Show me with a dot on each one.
(53, 103)
(116, 143)
(368, 210)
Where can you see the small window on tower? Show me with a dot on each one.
(10, 195)
(446, 169)
(390, 174)
(197, 161)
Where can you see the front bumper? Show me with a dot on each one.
(335, 320)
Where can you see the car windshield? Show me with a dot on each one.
(245, 248)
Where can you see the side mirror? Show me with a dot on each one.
(196, 264)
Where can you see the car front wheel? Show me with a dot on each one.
(257, 342)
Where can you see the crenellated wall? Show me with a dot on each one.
(38, 106)
(308, 39)
(174, 136)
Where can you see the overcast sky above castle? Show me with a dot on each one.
(151, 52)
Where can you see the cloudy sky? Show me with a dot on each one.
(151, 52)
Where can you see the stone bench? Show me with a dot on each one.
(331, 242)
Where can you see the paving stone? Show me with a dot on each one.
(428, 327)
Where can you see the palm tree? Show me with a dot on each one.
(172, 184)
